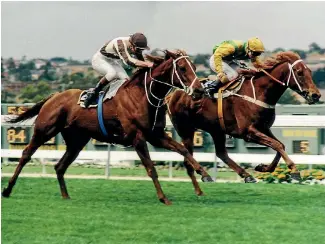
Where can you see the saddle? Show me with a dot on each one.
(232, 85)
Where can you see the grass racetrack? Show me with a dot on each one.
(111, 211)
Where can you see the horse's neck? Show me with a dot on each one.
(266, 89)
(156, 88)
(155, 93)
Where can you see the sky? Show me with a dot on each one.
(79, 29)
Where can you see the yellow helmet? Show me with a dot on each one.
(255, 44)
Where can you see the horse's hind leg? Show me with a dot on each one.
(186, 132)
(75, 141)
(221, 152)
(39, 138)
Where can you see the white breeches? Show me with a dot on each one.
(108, 67)
(229, 71)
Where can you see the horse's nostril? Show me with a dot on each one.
(315, 96)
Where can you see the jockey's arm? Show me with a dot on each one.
(139, 56)
(222, 51)
(123, 53)
(257, 63)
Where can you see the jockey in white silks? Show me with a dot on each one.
(108, 60)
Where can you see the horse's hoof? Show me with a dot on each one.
(261, 168)
(296, 176)
(165, 201)
(200, 194)
(207, 178)
(5, 193)
(250, 179)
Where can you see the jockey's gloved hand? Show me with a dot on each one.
(223, 77)
(243, 65)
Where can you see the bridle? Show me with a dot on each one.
(186, 89)
(261, 103)
(291, 73)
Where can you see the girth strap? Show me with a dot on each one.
(100, 114)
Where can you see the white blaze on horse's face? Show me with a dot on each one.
(183, 64)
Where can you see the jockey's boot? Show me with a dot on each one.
(93, 93)
(212, 87)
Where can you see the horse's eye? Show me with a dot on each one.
(300, 72)
(183, 69)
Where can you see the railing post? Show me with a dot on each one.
(107, 169)
(170, 170)
(43, 166)
(215, 168)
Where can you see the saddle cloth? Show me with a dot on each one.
(110, 93)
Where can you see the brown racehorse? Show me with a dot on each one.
(250, 120)
(132, 117)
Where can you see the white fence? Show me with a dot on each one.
(120, 156)
(280, 121)
(114, 157)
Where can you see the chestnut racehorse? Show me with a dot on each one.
(249, 114)
(135, 115)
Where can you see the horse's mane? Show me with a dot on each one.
(271, 62)
(280, 58)
(157, 60)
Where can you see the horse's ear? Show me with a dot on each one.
(169, 54)
(155, 59)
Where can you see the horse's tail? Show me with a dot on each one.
(31, 112)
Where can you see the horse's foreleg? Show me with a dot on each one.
(168, 143)
(274, 164)
(221, 152)
(188, 144)
(261, 138)
(142, 150)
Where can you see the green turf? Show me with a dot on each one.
(135, 171)
(108, 211)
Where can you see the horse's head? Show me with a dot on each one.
(183, 70)
(299, 78)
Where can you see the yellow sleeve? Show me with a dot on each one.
(222, 51)
(257, 62)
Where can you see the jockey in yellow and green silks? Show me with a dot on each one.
(221, 62)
